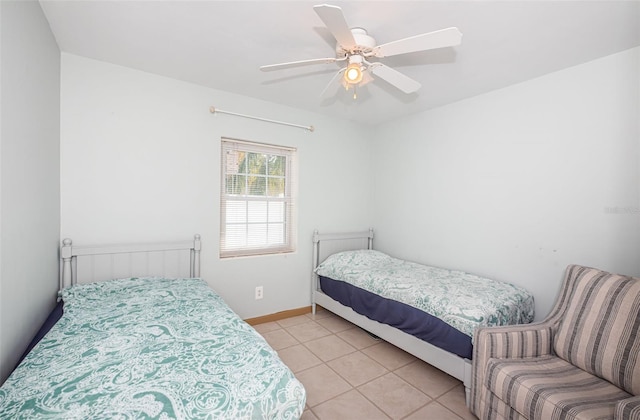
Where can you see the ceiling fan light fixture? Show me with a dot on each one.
(353, 74)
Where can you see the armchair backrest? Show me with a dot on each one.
(599, 330)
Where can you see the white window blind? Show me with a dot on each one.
(257, 199)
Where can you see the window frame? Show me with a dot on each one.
(288, 245)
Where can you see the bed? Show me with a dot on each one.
(429, 312)
(154, 346)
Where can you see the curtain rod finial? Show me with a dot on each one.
(212, 109)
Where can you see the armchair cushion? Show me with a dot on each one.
(599, 332)
(628, 409)
(548, 387)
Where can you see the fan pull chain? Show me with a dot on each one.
(355, 94)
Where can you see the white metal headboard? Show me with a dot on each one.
(104, 262)
(326, 244)
(336, 242)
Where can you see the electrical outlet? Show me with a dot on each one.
(259, 291)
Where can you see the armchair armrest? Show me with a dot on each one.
(513, 341)
(628, 409)
(525, 340)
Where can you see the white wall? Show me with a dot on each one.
(29, 174)
(140, 160)
(514, 184)
(518, 183)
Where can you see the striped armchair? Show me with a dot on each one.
(581, 362)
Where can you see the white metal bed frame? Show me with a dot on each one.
(104, 262)
(452, 364)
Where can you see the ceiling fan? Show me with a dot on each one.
(359, 51)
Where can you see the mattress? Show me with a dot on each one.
(151, 348)
(459, 300)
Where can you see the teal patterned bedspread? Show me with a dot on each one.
(462, 300)
(151, 348)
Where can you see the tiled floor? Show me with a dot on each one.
(350, 375)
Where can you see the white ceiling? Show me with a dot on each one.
(221, 44)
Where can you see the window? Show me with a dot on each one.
(257, 199)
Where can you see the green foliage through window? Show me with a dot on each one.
(255, 174)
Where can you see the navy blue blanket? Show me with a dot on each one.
(399, 315)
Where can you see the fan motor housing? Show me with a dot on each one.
(364, 43)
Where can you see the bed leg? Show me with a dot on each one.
(467, 382)
(313, 308)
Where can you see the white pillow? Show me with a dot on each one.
(346, 262)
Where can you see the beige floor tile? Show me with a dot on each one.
(322, 384)
(294, 320)
(357, 368)
(329, 347)
(266, 327)
(433, 411)
(320, 313)
(426, 378)
(308, 331)
(351, 405)
(394, 396)
(298, 358)
(279, 339)
(308, 415)
(335, 324)
(330, 394)
(454, 400)
(388, 356)
(358, 338)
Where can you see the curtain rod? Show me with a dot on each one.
(214, 110)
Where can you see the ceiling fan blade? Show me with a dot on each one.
(443, 38)
(332, 87)
(334, 20)
(297, 64)
(395, 78)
